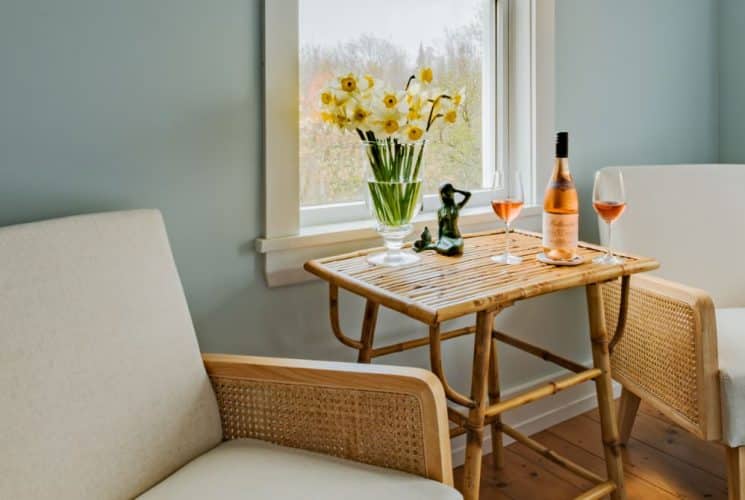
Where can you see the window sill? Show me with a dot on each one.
(286, 255)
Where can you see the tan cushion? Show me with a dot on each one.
(102, 391)
(731, 346)
(248, 469)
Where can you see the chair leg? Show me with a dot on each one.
(736, 473)
(627, 414)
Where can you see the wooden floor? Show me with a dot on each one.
(661, 461)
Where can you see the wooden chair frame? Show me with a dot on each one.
(662, 312)
(341, 418)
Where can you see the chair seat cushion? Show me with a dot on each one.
(731, 346)
(252, 469)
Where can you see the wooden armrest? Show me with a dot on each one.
(668, 354)
(393, 417)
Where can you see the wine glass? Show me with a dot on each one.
(609, 201)
(508, 209)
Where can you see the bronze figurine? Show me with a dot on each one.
(449, 240)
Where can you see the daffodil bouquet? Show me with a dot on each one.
(393, 126)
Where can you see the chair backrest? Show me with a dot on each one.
(102, 388)
(692, 219)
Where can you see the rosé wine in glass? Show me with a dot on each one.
(609, 202)
(507, 209)
(609, 211)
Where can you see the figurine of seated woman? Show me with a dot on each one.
(449, 240)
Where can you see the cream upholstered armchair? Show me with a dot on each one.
(684, 347)
(104, 394)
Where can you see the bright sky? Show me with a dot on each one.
(404, 22)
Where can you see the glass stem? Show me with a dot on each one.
(610, 240)
(393, 245)
(507, 239)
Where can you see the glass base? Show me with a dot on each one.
(507, 258)
(393, 259)
(607, 260)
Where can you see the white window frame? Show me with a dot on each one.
(526, 140)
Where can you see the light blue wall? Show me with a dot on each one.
(112, 104)
(636, 83)
(732, 81)
(109, 104)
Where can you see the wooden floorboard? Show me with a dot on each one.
(661, 461)
(636, 486)
(674, 441)
(521, 479)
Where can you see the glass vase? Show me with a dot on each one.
(394, 195)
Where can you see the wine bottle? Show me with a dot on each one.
(561, 207)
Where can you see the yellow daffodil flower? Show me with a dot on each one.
(390, 99)
(459, 96)
(327, 98)
(341, 120)
(361, 103)
(414, 114)
(359, 116)
(386, 121)
(417, 107)
(390, 126)
(348, 83)
(414, 133)
(425, 75)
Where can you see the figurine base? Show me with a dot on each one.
(393, 259)
(507, 258)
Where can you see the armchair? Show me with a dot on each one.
(389, 417)
(683, 347)
(105, 395)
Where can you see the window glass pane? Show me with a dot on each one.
(390, 39)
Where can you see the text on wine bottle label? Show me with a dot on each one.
(560, 230)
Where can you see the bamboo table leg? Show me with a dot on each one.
(601, 360)
(368, 331)
(494, 396)
(475, 423)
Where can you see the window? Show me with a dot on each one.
(500, 50)
(392, 39)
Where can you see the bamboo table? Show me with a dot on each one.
(437, 289)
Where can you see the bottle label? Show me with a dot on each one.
(560, 230)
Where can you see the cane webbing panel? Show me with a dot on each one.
(658, 349)
(373, 427)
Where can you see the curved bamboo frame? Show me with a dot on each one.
(334, 316)
(435, 361)
(623, 313)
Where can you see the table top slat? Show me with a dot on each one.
(439, 288)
